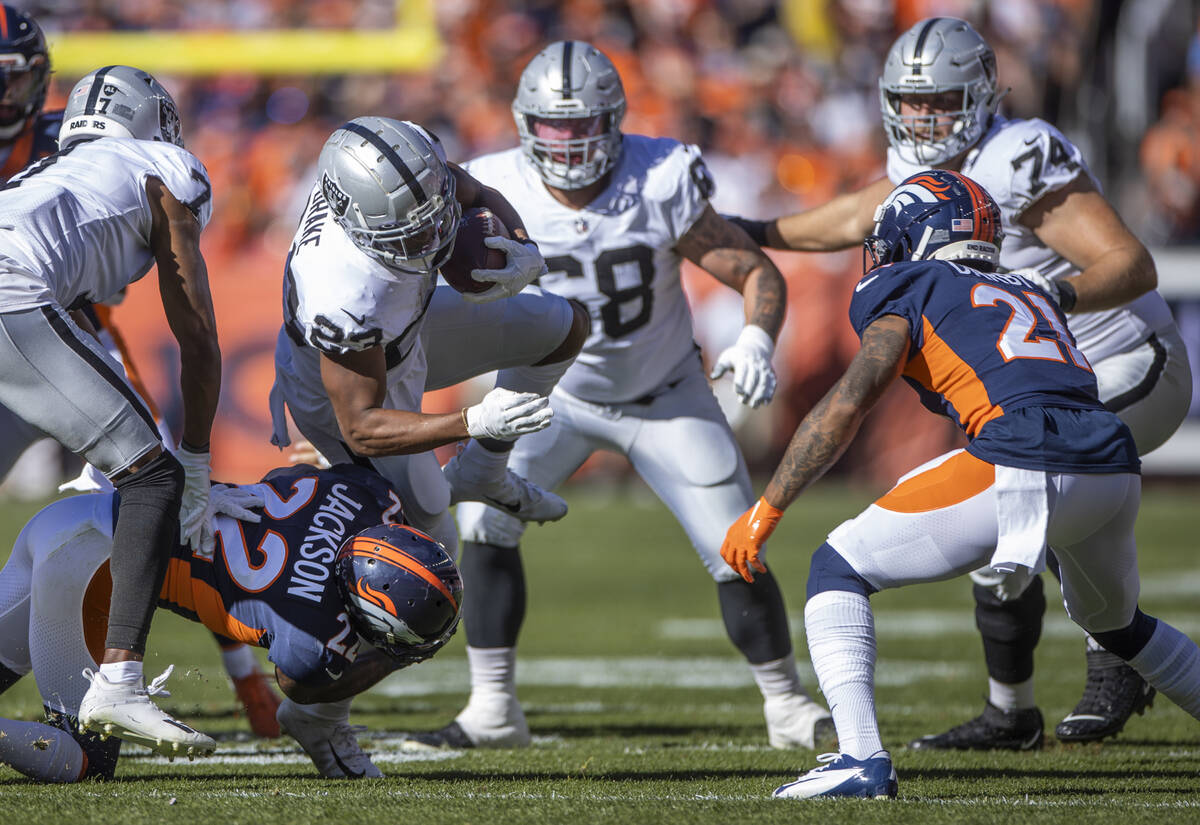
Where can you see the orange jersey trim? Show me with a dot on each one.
(938, 369)
(953, 481)
(204, 600)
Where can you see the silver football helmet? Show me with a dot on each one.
(120, 101)
(938, 56)
(389, 188)
(570, 80)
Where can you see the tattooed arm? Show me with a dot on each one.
(828, 429)
(821, 438)
(726, 252)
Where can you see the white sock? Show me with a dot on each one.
(493, 670)
(41, 752)
(1106, 659)
(239, 661)
(122, 672)
(841, 642)
(1011, 697)
(1170, 662)
(778, 677)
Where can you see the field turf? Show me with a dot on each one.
(642, 712)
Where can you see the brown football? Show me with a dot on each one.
(470, 252)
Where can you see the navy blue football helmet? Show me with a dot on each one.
(24, 70)
(936, 214)
(402, 590)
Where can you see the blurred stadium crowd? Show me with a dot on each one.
(781, 96)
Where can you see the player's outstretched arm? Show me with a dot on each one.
(821, 438)
(187, 302)
(357, 385)
(368, 670)
(1078, 223)
(728, 254)
(842, 223)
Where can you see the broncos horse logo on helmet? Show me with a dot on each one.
(936, 214)
(402, 590)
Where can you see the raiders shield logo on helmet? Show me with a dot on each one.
(334, 196)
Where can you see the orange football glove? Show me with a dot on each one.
(747, 535)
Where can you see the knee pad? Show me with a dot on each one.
(486, 525)
(1129, 640)
(829, 571)
(1014, 619)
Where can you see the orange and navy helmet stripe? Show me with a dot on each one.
(983, 210)
(370, 547)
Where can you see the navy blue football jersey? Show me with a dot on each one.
(993, 352)
(271, 584)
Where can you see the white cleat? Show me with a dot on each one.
(332, 746)
(124, 710)
(510, 493)
(844, 776)
(796, 721)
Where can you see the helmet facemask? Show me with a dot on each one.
(570, 162)
(421, 244)
(22, 90)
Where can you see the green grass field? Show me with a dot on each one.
(642, 712)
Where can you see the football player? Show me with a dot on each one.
(1045, 463)
(27, 134)
(616, 214)
(327, 580)
(367, 330)
(120, 195)
(939, 97)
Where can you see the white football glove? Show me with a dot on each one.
(504, 414)
(193, 509)
(525, 264)
(750, 360)
(227, 500)
(1040, 281)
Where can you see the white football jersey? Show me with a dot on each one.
(1018, 162)
(75, 226)
(339, 299)
(617, 256)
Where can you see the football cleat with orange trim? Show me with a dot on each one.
(401, 589)
(260, 701)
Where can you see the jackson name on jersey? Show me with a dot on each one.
(617, 256)
(1019, 162)
(75, 226)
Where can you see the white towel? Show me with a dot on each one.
(1023, 515)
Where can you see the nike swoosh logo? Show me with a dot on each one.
(355, 318)
(333, 675)
(864, 282)
(512, 508)
(349, 773)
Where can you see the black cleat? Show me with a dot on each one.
(451, 737)
(994, 729)
(1112, 694)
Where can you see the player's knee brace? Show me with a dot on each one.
(495, 594)
(755, 617)
(1010, 630)
(829, 571)
(1129, 640)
